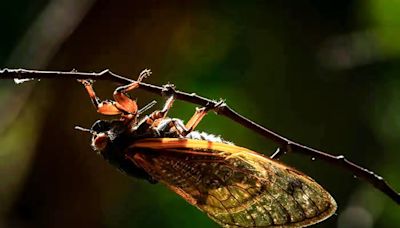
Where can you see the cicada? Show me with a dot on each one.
(234, 186)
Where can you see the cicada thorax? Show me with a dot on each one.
(122, 136)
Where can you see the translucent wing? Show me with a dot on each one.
(235, 186)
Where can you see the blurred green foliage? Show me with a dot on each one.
(323, 73)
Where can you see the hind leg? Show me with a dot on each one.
(199, 114)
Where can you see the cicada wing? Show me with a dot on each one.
(235, 186)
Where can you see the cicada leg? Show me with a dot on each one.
(103, 107)
(123, 101)
(200, 113)
(157, 116)
(122, 104)
(152, 120)
(198, 116)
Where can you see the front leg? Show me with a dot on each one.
(123, 102)
(105, 107)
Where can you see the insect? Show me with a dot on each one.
(234, 186)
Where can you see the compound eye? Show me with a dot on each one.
(101, 126)
(100, 141)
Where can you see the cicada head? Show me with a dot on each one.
(110, 140)
(104, 132)
(100, 131)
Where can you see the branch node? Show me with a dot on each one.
(217, 107)
(104, 72)
(341, 158)
(168, 90)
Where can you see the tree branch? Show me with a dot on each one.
(285, 144)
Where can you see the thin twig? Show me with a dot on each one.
(285, 144)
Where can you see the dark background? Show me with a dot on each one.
(323, 73)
